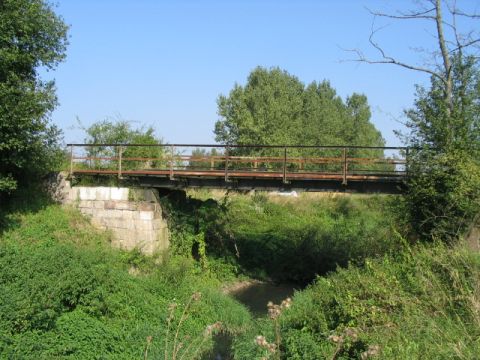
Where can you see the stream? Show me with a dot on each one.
(254, 295)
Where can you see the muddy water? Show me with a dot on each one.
(254, 295)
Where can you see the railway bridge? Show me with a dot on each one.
(364, 169)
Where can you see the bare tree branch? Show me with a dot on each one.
(447, 43)
(405, 16)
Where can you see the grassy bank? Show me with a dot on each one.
(421, 304)
(65, 293)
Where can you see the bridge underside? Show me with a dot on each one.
(242, 184)
(272, 182)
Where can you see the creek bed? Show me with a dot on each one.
(254, 295)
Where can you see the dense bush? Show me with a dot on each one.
(65, 293)
(422, 304)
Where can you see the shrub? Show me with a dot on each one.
(65, 293)
(420, 304)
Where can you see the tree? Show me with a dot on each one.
(443, 193)
(275, 108)
(32, 37)
(121, 132)
(266, 111)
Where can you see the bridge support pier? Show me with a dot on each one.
(133, 216)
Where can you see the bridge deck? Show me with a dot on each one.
(363, 169)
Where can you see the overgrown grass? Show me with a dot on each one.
(421, 304)
(284, 239)
(65, 293)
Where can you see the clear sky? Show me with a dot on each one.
(164, 63)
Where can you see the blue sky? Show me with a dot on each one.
(164, 63)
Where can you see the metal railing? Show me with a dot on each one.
(344, 163)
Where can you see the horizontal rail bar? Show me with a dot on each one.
(249, 146)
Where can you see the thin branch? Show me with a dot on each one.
(404, 16)
(388, 59)
(470, 43)
(471, 16)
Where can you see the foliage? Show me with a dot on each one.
(111, 131)
(275, 108)
(298, 239)
(287, 240)
(32, 37)
(64, 293)
(444, 167)
(421, 304)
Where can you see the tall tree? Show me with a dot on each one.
(443, 194)
(32, 37)
(266, 111)
(276, 108)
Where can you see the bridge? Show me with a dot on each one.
(245, 167)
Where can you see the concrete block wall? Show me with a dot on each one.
(133, 223)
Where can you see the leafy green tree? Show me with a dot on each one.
(266, 111)
(276, 108)
(121, 132)
(32, 37)
(444, 186)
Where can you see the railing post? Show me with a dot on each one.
(172, 152)
(406, 162)
(344, 182)
(120, 149)
(226, 164)
(285, 165)
(71, 161)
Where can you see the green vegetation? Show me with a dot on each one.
(388, 276)
(32, 37)
(284, 239)
(275, 108)
(64, 293)
(444, 187)
(122, 132)
(421, 304)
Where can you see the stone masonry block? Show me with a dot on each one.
(143, 225)
(85, 204)
(87, 193)
(102, 193)
(127, 214)
(109, 205)
(119, 193)
(143, 206)
(98, 204)
(113, 213)
(125, 205)
(146, 215)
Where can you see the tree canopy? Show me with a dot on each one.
(32, 37)
(276, 108)
(122, 132)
